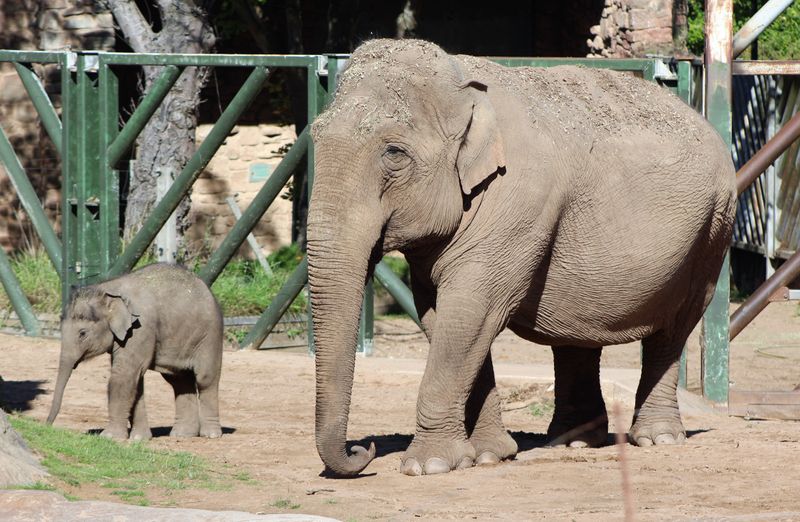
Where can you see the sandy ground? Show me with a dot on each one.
(729, 467)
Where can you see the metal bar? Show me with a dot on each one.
(30, 201)
(283, 299)
(758, 67)
(33, 85)
(108, 182)
(251, 240)
(714, 356)
(31, 56)
(70, 126)
(263, 199)
(760, 298)
(190, 172)
(682, 367)
(756, 25)
(398, 290)
(684, 90)
(771, 151)
(17, 297)
(142, 114)
(209, 60)
(619, 64)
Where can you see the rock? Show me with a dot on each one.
(18, 466)
(48, 505)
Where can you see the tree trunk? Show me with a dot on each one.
(168, 140)
(680, 26)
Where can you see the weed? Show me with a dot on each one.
(285, 504)
(542, 409)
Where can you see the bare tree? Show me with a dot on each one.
(168, 140)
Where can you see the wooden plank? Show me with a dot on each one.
(778, 405)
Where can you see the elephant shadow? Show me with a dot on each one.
(19, 395)
(160, 431)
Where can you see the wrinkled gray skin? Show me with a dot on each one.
(579, 208)
(161, 318)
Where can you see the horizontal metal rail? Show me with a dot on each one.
(31, 56)
(756, 67)
(209, 60)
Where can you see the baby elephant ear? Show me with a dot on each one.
(120, 315)
(481, 153)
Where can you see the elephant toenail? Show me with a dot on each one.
(664, 439)
(644, 442)
(435, 465)
(411, 467)
(578, 444)
(487, 458)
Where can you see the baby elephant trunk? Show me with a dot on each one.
(64, 372)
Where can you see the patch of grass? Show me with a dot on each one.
(36, 486)
(542, 409)
(38, 279)
(284, 503)
(128, 469)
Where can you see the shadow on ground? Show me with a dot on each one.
(19, 395)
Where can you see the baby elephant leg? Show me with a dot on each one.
(187, 423)
(140, 427)
(208, 392)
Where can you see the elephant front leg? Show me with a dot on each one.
(484, 424)
(657, 419)
(122, 391)
(580, 417)
(140, 427)
(459, 346)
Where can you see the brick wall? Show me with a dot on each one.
(632, 28)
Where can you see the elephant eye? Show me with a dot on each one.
(82, 335)
(395, 158)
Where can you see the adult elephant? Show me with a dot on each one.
(578, 207)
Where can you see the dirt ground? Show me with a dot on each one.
(729, 467)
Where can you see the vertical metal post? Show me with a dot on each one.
(773, 183)
(107, 176)
(714, 340)
(70, 267)
(366, 330)
(684, 91)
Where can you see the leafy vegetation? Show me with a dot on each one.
(128, 470)
(780, 41)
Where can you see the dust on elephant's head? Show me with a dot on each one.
(405, 140)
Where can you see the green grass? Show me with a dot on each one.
(128, 470)
(285, 504)
(38, 279)
(542, 409)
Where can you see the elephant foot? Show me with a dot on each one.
(211, 430)
(182, 431)
(657, 430)
(140, 434)
(579, 429)
(492, 448)
(434, 457)
(115, 432)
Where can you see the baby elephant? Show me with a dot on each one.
(161, 318)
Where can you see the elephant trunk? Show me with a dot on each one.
(65, 367)
(339, 252)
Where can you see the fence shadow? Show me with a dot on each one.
(19, 395)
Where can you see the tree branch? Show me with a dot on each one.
(137, 31)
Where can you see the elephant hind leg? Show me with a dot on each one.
(187, 423)
(483, 422)
(140, 427)
(657, 419)
(580, 417)
(208, 395)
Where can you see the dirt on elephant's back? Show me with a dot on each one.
(728, 467)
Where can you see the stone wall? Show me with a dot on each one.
(632, 28)
(44, 25)
(239, 169)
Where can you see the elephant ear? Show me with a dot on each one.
(121, 316)
(481, 153)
